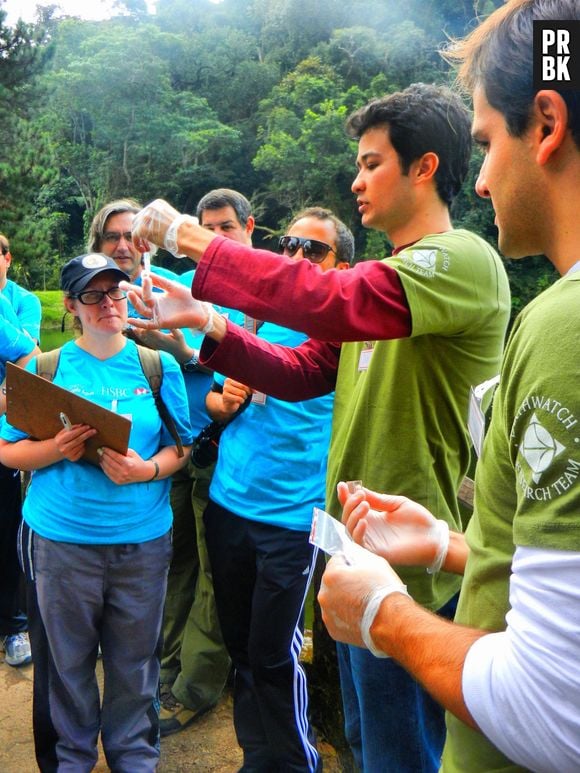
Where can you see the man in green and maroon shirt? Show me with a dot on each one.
(430, 321)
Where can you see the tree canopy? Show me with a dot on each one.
(250, 94)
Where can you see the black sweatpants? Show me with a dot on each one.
(261, 575)
(12, 616)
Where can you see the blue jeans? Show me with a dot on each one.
(391, 724)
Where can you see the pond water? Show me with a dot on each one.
(52, 339)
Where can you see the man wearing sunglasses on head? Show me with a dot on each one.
(269, 475)
(429, 321)
(312, 234)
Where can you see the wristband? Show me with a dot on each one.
(209, 325)
(192, 364)
(370, 613)
(170, 242)
(156, 473)
(442, 528)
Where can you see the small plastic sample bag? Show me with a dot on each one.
(330, 535)
(386, 539)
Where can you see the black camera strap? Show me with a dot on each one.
(204, 450)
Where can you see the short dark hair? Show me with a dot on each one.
(100, 220)
(225, 197)
(421, 119)
(498, 57)
(344, 237)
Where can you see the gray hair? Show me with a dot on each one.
(100, 220)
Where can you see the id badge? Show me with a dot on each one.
(476, 417)
(258, 398)
(365, 356)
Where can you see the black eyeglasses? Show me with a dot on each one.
(313, 250)
(114, 237)
(92, 297)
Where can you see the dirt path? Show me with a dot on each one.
(208, 745)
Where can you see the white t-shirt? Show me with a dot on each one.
(522, 686)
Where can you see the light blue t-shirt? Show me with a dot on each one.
(76, 501)
(187, 280)
(272, 458)
(14, 342)
(26, 307)
(197, 383)
(164, 272)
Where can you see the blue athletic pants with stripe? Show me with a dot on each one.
(261, 575)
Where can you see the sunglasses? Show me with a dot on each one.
(114, 237)
(312, 249)
(92, 297)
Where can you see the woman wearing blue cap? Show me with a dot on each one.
(97, 538)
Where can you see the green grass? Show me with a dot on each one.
(52, 308)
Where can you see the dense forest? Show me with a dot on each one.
(249, 94)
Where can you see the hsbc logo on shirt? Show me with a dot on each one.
(114, 393)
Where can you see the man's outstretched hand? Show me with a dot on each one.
(174, 307)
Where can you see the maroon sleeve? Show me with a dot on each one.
(292, 374)
(364, 303)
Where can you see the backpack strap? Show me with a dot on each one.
(150, 360)
(47, 364)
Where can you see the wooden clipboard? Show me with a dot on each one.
(34, 405)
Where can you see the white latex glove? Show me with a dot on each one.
(396, 528)
(174, 307)
(351, 594)
(159, 223)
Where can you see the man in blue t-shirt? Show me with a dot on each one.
(194, 661)
(25, 304)
(19, 331)
(270, 473)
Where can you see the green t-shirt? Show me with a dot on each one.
(528, 480)
(400, 425)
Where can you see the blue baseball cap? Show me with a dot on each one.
(78, 272)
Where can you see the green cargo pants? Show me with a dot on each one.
(194, 660)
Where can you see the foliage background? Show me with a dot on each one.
(249, 94)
